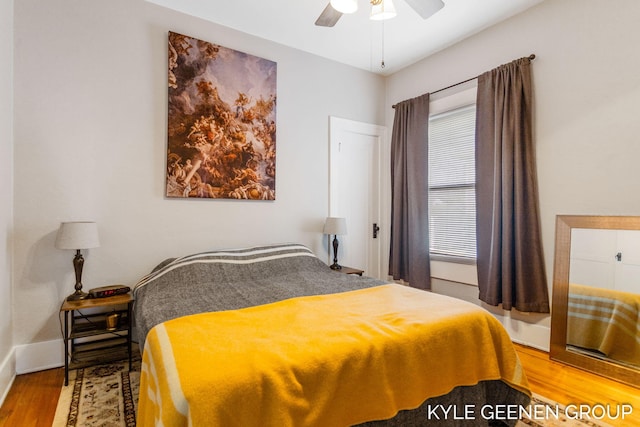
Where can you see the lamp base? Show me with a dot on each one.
(78, 295)
(335, 266)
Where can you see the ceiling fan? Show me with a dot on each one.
(381, 9)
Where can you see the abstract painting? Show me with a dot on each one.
(221, 122)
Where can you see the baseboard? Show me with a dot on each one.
(530, 329)
(42, 355)
(525, 333)
(538, 339)
(7, 374)
(39, 356)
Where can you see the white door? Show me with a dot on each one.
(628, 261)
(355, 188)
(592, 257)
(606, 259)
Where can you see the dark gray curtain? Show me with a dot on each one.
(511, 267)
(409, 252)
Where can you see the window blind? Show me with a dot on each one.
(452, 201)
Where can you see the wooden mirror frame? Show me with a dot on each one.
(559, 352)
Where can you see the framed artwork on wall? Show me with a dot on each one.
(221, 122)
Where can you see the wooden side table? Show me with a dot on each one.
(89, 338)
(350, 270)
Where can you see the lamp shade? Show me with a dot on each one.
(384, 10)
(77, 235)
(345, 6)
(335, 225)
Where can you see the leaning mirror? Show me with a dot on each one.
(595, 321)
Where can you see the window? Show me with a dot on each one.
(452, 211)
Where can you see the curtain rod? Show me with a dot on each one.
(531, 58)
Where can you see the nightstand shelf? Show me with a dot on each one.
(96, 325)
(87, 339)
(350, 270)
(94, 356)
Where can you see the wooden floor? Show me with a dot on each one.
(32, 399)
(572, 386)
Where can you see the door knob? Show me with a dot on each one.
(375, 230)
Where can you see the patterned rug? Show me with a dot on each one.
(100, 396)
(547, 413)
(107, 395)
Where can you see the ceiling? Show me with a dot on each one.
(355, 40)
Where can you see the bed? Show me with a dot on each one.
(606, 321)
(270, 336)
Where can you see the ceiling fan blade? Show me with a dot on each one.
(426, 8)
(328, 17)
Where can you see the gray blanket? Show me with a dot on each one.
(233, 279)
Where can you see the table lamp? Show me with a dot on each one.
(336, 226)
(77, 235)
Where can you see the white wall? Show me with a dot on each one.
(587, 90)
(90, 143)
(90, 140)
(7, 361)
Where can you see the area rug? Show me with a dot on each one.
(545, 412)
(100, 396)
(107, 395)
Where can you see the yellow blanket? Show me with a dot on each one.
(605, 320)
(332, 360)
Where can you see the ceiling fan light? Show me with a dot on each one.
(383, 10)
(345, 6)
